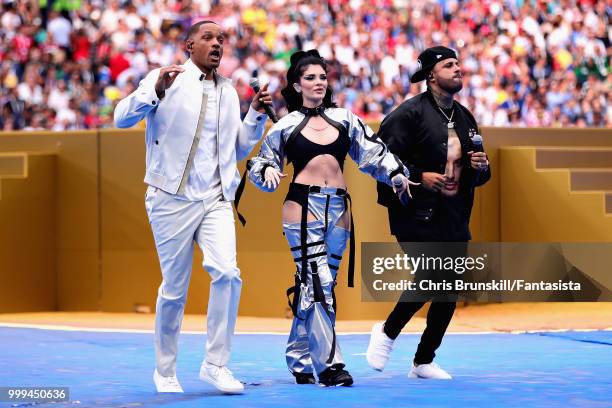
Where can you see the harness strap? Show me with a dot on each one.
(351, 267)
(319, 296)
(240, 190)
(295, 290)
(303, 238)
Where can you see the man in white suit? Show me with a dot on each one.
(194, 137)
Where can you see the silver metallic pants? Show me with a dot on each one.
(312, 342)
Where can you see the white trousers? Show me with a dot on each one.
(176, 224)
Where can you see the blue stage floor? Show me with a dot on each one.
(102, 369)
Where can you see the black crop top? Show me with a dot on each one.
(300, 150)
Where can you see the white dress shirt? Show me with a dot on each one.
(204, 179)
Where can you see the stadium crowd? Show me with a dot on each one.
(66, 63)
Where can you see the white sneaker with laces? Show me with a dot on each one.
(379, 348)
(431, 370)
(166, 384)
(221, 377)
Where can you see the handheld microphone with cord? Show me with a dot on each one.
(254, 83)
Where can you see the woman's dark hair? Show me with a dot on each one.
(300, 60)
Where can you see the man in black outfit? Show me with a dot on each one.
(438, 140)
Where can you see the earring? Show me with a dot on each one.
(297, 88)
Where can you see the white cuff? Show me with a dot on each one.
(255, 118)
(148, 96)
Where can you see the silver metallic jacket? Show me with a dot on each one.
(366, 149)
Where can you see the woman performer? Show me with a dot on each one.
(316, 136)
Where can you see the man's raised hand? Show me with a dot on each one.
(166, 78)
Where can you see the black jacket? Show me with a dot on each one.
(417, 132)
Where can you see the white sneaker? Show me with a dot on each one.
(166, 384)
(431, 370)
(379, 348)
(221, 377)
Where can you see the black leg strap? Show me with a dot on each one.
(304, 238)
(317, 255)
(295, 290)
(332, 353)
(239, 192)
(326, 211)
(351, 267)
(317, 289)
(335, 304)
(319, 296)
(295, 248)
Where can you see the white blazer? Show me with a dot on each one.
(172, 122)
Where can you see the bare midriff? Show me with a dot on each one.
(323, 170)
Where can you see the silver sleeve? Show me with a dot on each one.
(270, 154)
(371, 154)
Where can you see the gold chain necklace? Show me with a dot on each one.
(317, 129)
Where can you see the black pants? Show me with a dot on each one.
(438, 318)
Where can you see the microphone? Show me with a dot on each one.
(254, 83)
(398, 184)
(477, 140)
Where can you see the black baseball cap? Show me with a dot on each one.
(429, 58)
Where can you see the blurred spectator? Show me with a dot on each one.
(66, 63)
(60, 28)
